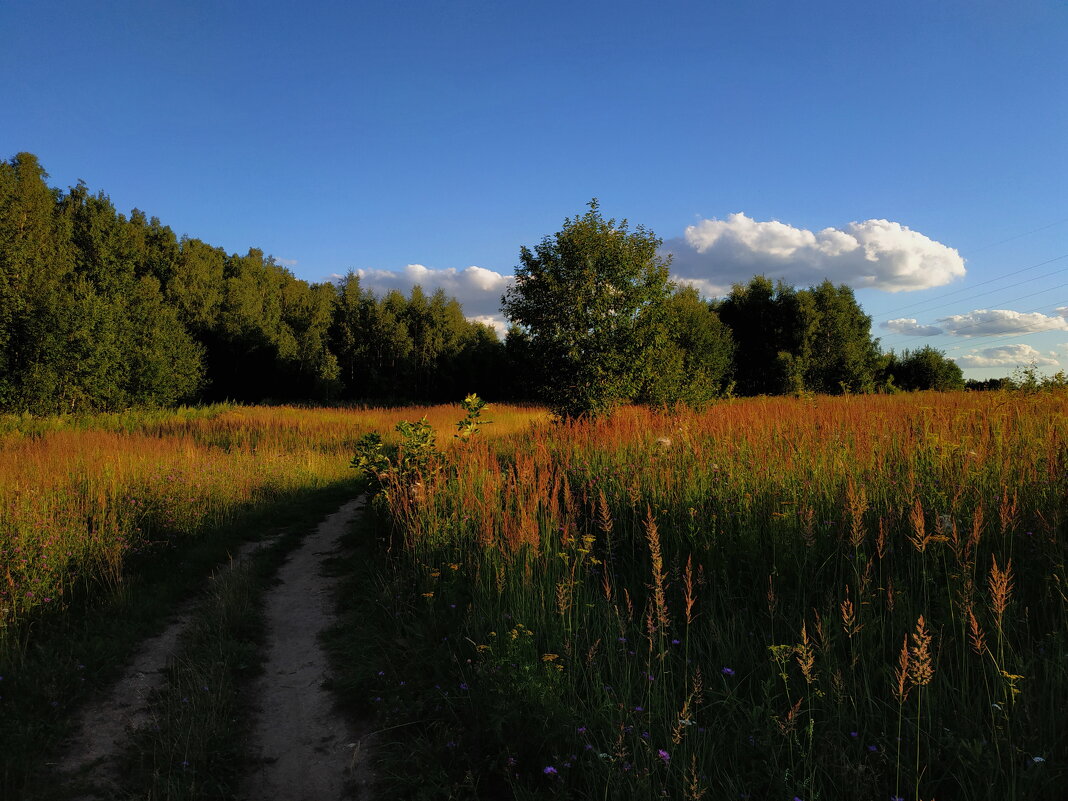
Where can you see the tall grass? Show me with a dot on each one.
(81, 497)
(859, 597)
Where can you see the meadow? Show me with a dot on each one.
(859, 597)
(108, 523)
(83, 498)
(779, 598)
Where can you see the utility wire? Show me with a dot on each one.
(981, 283)
(981, 248)
(957, 331)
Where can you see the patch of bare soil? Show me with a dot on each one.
(104, 724)
(302, 747)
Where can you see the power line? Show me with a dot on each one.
(982, 283)
(956, 331)
(1018, 236)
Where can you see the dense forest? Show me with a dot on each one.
(103, 311)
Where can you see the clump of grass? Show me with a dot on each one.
(665, 614)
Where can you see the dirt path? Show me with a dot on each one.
(104, 724)
(302, 747)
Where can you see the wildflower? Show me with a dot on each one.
(664, 756)
(639, 709)
(852, 734)
(549, 770)
(1038, 760)
(581, 730)
(463, 686)
(675, 642)
(727, 671)
(873, 748)
(511, 762)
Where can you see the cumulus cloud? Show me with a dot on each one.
(876, 254)
(286, 262)
(495, 321)
(479, 290)
(1006, 356)
(910, 327)
(985, 322)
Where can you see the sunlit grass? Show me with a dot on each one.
(777, 598)
(80, 496)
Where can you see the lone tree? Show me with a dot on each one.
(591, 300)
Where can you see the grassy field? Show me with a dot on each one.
(82, 497)
(837, 598)
(108, 522)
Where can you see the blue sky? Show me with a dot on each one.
(419, 140)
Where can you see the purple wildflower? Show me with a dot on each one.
(727, 671)
(549, 770)
(664, 755)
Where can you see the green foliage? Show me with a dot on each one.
(591, 298)
(405, 348)
(371, 459)
(693, 366)
(471, 423)
(799, 341)
(99, 312)
(926, 368)
(417, 454)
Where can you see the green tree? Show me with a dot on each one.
(844, 356)
(770, 328)
(694, 365)
(808, 340)
(36, 257)
(592, 299)
(926, 368)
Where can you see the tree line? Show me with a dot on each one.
(103, 311)
(100, 311)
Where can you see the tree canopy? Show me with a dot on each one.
(102, 311)
(591, 299)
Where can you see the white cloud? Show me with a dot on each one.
(910, 327)
(492, 320)
(1006, 356)
(985, 322)
(479, 290)
(876, 254)
(285, 262)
